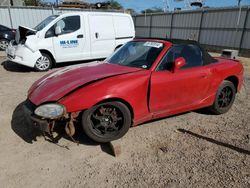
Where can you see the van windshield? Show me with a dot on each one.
(140, 54)
(45, 22)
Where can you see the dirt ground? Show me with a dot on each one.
(188, 150)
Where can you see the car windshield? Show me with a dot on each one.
(140, 54)
(45, 22)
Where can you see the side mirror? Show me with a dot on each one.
(58, 30)
(178, 63)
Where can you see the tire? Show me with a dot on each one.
(224, 99)
(4, 44)
(106, 121)
(44, 63)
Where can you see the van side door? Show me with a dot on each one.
(124, 29)
(102, 35)
(70, 44)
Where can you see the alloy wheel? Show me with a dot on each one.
(106, 121)
(225, 97)
(43, 63)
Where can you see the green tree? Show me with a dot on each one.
(152, 10)
(113, 4)
(33, 2)
(131, 11)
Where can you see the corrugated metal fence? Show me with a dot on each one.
(214, 28)
(28, 16)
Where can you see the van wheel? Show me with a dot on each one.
(107, 121)
(224, 98)
(44, 63)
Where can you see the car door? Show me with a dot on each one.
(71, 44)
(170, 90)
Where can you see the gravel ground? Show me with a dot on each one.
(188, 150)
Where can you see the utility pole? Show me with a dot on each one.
(239, 2)
(238, 22)
(166, 3)
(187, 4)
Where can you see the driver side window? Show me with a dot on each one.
(168, 60)
(191, 53)
(68, 24)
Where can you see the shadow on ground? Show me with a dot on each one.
(205, 111)
(14, 67)
(21, 125)
(211, 140)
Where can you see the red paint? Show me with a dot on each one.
(58, 83)
(149, 93)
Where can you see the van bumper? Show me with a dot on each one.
(22, 55)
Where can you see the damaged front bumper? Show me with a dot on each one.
(49, 125)
(41, 124)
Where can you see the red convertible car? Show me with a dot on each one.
(145, 79)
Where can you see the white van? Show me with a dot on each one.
(70, 37)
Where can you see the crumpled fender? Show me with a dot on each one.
(130, 88)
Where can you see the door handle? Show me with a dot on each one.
(203, 75)
(79, 36)
(97, 35)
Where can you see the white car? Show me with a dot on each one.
(70, 37)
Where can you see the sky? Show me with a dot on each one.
(139, 5)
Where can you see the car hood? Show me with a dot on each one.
(57, 84)
(23, 32)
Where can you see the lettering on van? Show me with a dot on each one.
(69, 43)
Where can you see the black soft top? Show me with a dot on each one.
(207, 58)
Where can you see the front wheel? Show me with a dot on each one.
(106, 122)
(224, 98)
(44, 63)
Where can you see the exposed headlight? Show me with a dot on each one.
(50, 111)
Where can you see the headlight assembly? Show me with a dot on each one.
(50, 111)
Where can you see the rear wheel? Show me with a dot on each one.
(44, 63)
(224, 98)
(106, 122)
(4, 44)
